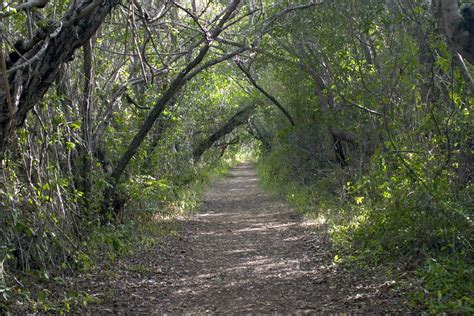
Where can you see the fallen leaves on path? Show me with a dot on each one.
(243, 252)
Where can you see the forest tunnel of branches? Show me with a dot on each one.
(358, 111)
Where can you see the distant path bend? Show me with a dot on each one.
(247, 252)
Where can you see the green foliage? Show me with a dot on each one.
(388, 217)
(279, 175)
(374, 221)
(402, 196)
(115, 241)
(153, 205)
(448, 286)
(46, 292)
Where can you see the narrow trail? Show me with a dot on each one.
(244, 252)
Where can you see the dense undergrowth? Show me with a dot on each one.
(383, 218)
(383, 148)
(149, 217)
(111, 124)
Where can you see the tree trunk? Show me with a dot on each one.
(160, 105)
(85, 149)
(235, 121)
(458, 26)
(29, 80)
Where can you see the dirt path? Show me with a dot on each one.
(244, 252)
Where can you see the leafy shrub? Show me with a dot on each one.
(447, 286)
(388, 217)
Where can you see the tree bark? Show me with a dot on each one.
(7, 113)
(85, 153)
(45, 58)
(459, 27)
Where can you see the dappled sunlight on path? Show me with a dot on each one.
(246, 252)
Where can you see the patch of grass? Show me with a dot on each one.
(138, 268)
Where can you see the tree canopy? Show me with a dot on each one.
(359, 111)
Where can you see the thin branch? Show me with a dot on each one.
(213, 62)
(25, 6)
(195, 19)
(266, 94)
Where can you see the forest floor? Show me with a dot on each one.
(243, 252)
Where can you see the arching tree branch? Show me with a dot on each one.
(266, 94)
(235, 121)
(46, 56)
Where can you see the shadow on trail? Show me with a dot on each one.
(246, 252)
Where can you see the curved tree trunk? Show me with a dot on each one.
(186, 74)
(235, 121)
(44, 54)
